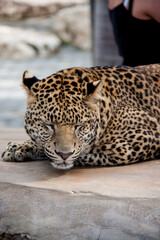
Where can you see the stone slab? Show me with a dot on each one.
(115, 203)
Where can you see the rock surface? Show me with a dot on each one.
(27, 27)
(73, 26)
(20, 9)
(116, 203)
(17, 43)
(7, 236)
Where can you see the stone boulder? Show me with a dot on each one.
(20, 9)
(17, 43)
(73, 26)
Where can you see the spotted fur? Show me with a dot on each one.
(92, 116)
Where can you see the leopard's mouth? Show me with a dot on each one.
(58, 163)
(62, 165)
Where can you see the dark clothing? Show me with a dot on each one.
(138, 40)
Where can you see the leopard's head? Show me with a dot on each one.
(62, 116)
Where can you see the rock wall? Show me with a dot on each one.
(19, 44)
(73, 29)
(20, 9)
(39, 28)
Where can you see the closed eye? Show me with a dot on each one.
(49, 126)
(77, 126)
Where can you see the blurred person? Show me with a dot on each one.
(136, 26)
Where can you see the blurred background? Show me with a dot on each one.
(47, 36)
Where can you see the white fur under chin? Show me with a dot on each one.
(62, 166)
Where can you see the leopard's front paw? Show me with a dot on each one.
(20, 152)
(10, 153)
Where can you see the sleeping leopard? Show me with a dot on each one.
(98, 116)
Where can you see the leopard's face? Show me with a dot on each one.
(63, 124)
(62, 141)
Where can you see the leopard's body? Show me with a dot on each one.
(92, 116)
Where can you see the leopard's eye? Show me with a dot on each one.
(76, 127)
(50, 127)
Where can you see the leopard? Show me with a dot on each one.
(95, 116)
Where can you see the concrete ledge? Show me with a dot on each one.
(116, 203)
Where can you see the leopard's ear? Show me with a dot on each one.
(94, 91)
(28, 80)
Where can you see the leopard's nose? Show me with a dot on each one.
(63, 155)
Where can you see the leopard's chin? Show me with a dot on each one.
(62, 166)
